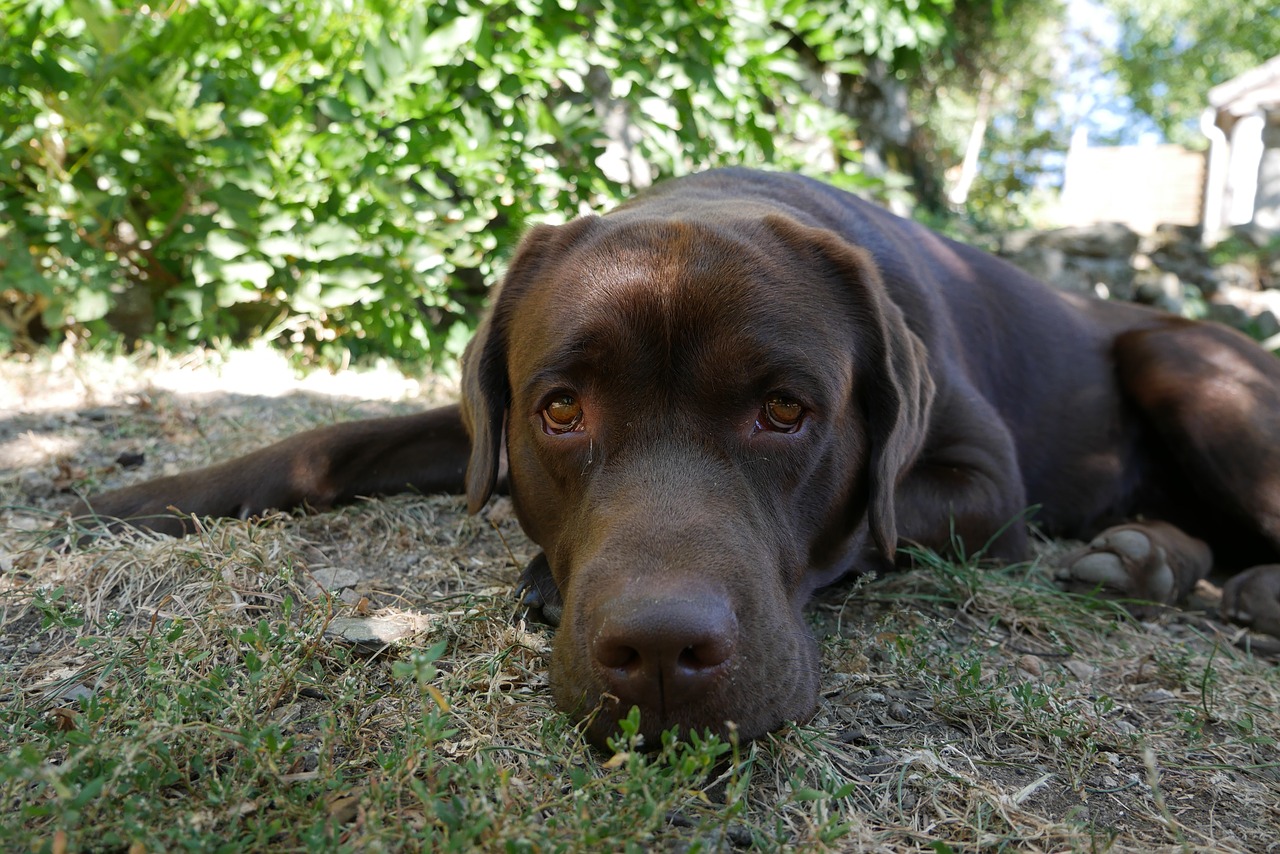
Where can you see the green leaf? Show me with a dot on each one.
(254, 273)
(331, 240)
(251, 118)
(282, 246)
(86, 305)
(224, 246)
(441, 45)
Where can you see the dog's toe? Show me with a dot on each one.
(1097, 568)
(1132, 543)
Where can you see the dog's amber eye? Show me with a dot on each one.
(562, 414)
(782, 414)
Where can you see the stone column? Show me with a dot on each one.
(1246, 155)
(1266, 203)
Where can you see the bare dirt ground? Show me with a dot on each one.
(962, 708)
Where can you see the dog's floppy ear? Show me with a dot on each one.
(486, 389)
(485, 396)
(893, 385)
(897, 412)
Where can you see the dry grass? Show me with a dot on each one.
(166, 694)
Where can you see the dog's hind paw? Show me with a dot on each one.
(1252, 599)
(1145, 561)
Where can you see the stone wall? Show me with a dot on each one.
(1169, 268)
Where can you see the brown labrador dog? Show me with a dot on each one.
(741, 386)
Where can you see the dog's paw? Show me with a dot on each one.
(1147, 561)
(1252, 599)
(538, 591)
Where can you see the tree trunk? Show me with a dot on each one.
(879, 103)
(959, 192)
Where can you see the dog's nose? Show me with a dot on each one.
(665, 652)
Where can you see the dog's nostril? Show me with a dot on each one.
(705, 655)
(617, 656)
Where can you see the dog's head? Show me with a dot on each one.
(703, 423)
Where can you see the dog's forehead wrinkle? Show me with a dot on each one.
(661, 302)
(672, 348)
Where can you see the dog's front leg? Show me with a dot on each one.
(320, 468)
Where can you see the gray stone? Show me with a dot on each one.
(1170, 269)
(376, 632)
(1101, 240)
(1236, 275)
(1162, 290)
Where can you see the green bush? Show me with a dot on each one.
(352, 170)
(347, 176)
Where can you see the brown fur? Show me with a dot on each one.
(943, 393)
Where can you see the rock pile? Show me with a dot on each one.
(1236, 282)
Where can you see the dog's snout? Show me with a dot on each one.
(665, 652)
